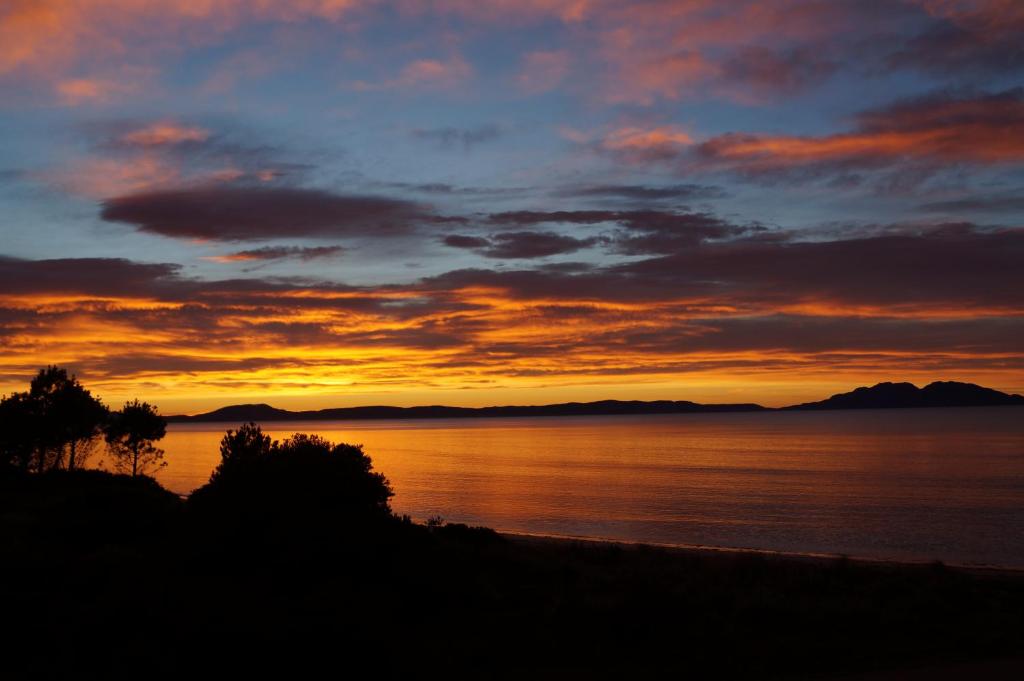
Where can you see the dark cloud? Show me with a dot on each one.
(14, 321)
(807, 335)
(676, 192)
(8, 175)
(282, 253)
(640, 232)
(566, 267)
(521, 245)
(87, 276)
(887, 271)
(202, 301)
(467, 138)
(1005, 203)
(450, 189)
(120, 278)
(782, 342)
(953, 266)
(949, 111)
(127, 364)
(947, 267)
(982, 44)
(767, 71)
(533, 217)
(233, 213)
(653, 232)
(463, 241)
(832, 334)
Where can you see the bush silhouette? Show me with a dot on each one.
(304, 481)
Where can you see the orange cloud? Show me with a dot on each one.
(645, 144)
(449, 72)
(57, 35)
(651, 49)
(78, 91)
(104, 177)
(226, 349)
(928, 133)
(232, 257)
(165, 133)
(934, 130)
(641, 51)
(641, 71)
(427, 73)
(74, 92)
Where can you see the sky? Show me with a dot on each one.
(319, 203)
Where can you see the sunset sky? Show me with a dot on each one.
(321, 203)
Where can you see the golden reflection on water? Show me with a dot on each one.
(911, 484)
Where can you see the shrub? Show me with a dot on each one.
(304, 481)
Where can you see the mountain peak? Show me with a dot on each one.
(890, 395)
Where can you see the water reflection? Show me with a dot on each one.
(905, 484)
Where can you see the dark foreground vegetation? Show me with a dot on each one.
(291, 561)
(57, 423)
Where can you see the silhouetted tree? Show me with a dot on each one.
(44, 392)
(71, 416)
(130, 435)
(55, 416)
(19, 428)
(242, 448)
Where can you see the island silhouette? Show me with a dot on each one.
(880, 396)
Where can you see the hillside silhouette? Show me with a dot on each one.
(880, 396)
(907, 395)
(265, 412)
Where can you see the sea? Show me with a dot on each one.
(900, 484)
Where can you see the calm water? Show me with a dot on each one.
(943, 484)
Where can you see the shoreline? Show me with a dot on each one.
(705, 550)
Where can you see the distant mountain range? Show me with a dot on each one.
(880, 396)
(264, 412)
(905, 395)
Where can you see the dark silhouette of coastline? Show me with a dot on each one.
(264, 412)
(909, 396)
(880, 396)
